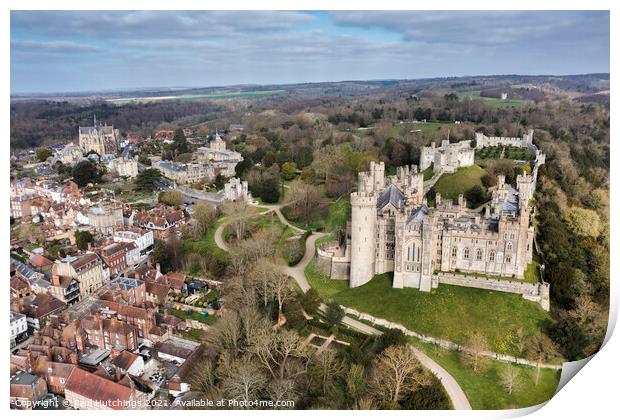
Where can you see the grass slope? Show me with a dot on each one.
(451, 312)
(484, 390)
(451, 185)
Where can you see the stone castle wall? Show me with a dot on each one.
(536, 292)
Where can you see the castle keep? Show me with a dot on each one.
(393, 229)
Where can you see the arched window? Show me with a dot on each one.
(508, 258)
(509, 246)
(492, 256)
(454, 251)
(478, 254)
(466, 253)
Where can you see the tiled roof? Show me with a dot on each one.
(124, 360)
(96, 388)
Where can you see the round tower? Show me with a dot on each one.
(363, 218)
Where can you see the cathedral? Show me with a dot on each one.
(393, 229)
(102, 139)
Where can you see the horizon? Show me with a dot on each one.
(161, 89)
(55, 52)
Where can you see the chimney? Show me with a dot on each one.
(117, 374)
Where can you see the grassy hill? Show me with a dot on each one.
(451, 185)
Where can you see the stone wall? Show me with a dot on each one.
(332, 261)
(536, 292)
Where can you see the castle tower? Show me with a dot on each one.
(363, 220)
(377, 173)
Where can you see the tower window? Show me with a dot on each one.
(478, 254)
(466, 253)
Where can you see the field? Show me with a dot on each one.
(451, 312)
(494, 102)
(483, 388)
(451, 185)
(222, 95)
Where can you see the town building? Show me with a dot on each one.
(88, 391)
(65, 288)
(19, 327)
(114, 257)
(162, 220)
(124, 167)
(87, 269)
(26, 390)
(105, 219)
(142, 238)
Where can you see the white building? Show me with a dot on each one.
(235, 189)
(124, 167)
(19, 326)
(143, 239)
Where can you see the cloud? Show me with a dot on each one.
(52, 47)
(483, 28)
(145, 48)
(190, 24)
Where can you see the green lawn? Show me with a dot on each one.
(451, 185)
(494, 102)
(483, 389)
(451, 312)
(339, 213)
(196, 316)
(427, 173)
(429, 128)
(532, 272)
(327, 288)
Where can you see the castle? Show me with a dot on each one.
(448, 157)
(103, 139)
(393, 229)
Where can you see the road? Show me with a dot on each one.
(453, 389)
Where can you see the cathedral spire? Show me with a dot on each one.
(94, 120)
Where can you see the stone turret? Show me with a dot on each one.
(363, 220)
(377, 173)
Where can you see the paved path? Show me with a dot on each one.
(298, 271)
(452, 387)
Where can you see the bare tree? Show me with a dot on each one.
(237, 212)
(303, 198)
(397, 370)
(356, 381)
(510, 378)
(203, 216)
(327, 367)
(242, 378)
(276, 349)
(540, 348)
(472, 354)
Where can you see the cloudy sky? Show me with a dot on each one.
(96, 50)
